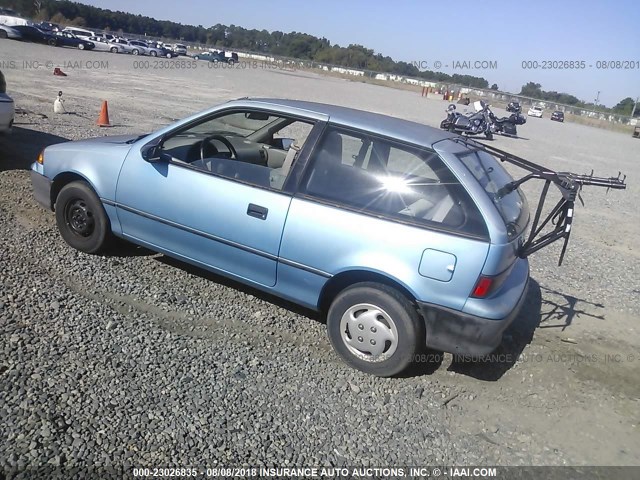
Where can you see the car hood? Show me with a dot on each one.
(96, 142)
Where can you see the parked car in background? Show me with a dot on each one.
(102, 45)
(163, 49)
(33, 34)
(179, 48)
(535, 111)
(9, 32)
(68, 39)
(126, 47)
(217, 56)
(142, 48)
(557, 116)
(7, 107)
(48, 26)
(80, 32)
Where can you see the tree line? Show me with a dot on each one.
(534, 90)
(293, 44)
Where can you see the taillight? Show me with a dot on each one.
(483, 287)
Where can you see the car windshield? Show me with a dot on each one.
(513, 207)
(240, 124)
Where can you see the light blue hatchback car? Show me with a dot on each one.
(403, 235)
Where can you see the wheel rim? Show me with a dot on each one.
(79, 218)
(135, 52)
(369, 332)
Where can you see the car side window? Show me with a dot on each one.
(380, 176)
(252, 147)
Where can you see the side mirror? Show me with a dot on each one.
(152, 152)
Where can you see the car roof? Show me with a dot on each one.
(405, 130)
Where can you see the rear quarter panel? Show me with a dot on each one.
(335, 240)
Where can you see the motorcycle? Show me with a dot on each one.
(475, 124)
(507, 125)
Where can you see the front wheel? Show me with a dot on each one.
(114, 50)
(81, 218)
(196, 57)
(374, 328)
(51, 42)
(136, 52)
(81, 46)
(3, 34)
(154, 53)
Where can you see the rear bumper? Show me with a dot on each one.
(464, 334)
(41, 189)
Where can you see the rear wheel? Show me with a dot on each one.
(114, 50)
(154, 53)
(3, 34)
(81, 46)
(196, 57)
(374, 328)
(231, 61)
(52, 42)
(135, 51)
(81, 218)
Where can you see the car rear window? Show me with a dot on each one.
(513, 207)
(382, 177)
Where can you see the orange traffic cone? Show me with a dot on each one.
(103, 119)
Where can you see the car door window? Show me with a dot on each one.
(248, 146)
(379, 176)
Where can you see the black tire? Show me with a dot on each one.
(135, 51)
(405, 328)
(51, 42)
(153, 53)
(3, 34)
(231, 62)
(114, 50)
(196, 57)
(489, 135)
(81, 46)
(81, 218)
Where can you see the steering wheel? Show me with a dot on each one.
(221, 139)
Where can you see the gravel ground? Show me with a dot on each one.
(134, 359)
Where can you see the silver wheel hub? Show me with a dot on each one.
(369, 332)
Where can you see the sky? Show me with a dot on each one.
(452, 32)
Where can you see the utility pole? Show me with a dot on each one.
(635, 104)
(596, 100)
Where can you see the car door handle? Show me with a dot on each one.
(257, 211)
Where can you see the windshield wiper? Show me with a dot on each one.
(561, 215)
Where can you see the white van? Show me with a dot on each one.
(80, 32)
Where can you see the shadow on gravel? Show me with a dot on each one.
(193, 270)
(565, 311)
(19, 149)
(493, 366)
(122, 248)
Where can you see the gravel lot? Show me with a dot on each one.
(136, 359)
